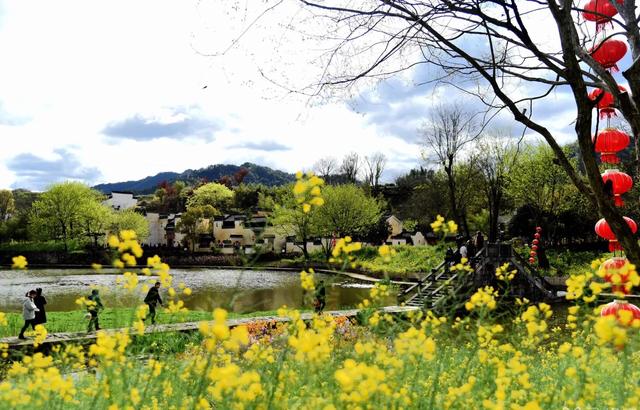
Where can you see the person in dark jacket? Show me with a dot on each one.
(321, 297)
(40, 301)
(152, 300)
(93, 308)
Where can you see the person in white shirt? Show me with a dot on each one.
(29, 310)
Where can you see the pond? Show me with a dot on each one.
(236, 290)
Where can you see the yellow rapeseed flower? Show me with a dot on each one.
(19, 262)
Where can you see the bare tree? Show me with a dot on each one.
(325, 167)
(495, 155)
(444, 138)
(375, 164)
(501, 51)
(350, 167)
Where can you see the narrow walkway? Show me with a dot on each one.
(84, 337)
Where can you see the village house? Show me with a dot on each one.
(231, 234)
(121, 200)
(162, 230)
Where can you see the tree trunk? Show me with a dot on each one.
(451, 183)
(494, 199)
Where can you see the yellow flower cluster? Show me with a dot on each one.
(307, 191)
(359, 382)
(483, 298)
(43, 381)
(379, 291)
(504, 274)
(462, 266)
(19, 262)
(576, 285)
(218, 333)
(312, 344)
(608, 330)
(535, 322)
(450, 227)
(3, 319)
(486, 335)
(415, 343)
(307, 280)
(128, 280)
(259, 353)
(40, 335)
(386, 252)
(128, 248)
(342, 250)
(110, 347)
(160, 269)
(231, 381)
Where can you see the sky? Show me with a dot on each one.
(119, 90)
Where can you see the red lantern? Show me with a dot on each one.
(599, 11)
(621, 184)
(536, 235)
(532, 253)
(608, 142)
(606, 104)
(532, 260)
(616, 306)
(534, 247)
(538, 229)
(611, 267)
(604, 231)
(609, 52)
(535, 241)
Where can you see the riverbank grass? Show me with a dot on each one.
(112, 318)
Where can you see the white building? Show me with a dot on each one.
(121, 200)
(162, 230)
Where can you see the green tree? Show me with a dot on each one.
(347, 211)
(130, 220)
(95, 220)
(289, 218)
(217, 195)
(59, 211)
(7, 204)
(191, 222)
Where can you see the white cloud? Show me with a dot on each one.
(74, 70)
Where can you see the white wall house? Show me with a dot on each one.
(162, 230)
(121, 200)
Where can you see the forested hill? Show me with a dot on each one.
(257, 174)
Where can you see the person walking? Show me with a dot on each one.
(40, 301)
(152, 300)
(29, 310)
(321, 297)
(94, 308)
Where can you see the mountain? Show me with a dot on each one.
(257, 175)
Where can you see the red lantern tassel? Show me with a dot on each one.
(617, 200)
(614, 245)
(602, 25)
(607, 113)
(609, 158)
(613, 69)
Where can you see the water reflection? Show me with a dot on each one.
(238, 291)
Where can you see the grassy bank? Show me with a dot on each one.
(407, 261)
(110, 318)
